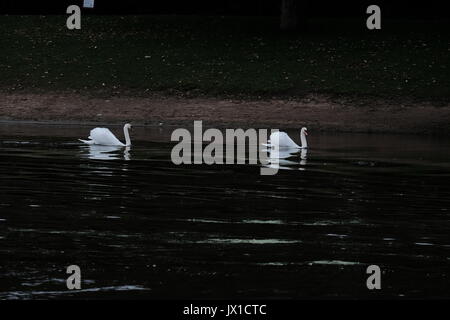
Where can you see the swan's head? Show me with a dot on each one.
(304, 131)
(128, 126)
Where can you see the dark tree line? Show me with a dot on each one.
(294, 14)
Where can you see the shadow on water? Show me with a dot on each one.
(140, 226)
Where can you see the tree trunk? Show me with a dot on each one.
(289, 17)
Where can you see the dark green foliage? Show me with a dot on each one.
(238, 56)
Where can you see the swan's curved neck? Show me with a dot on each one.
(127, 136)
(303, 140)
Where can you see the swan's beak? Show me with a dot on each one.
(306, 133)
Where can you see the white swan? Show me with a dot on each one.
(281, 139)
(102, 136)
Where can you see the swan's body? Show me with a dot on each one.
(284, 153)
(281, 139)
(104, 137)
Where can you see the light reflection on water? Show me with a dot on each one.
(286, 158)
(140, 226)
(98, 152)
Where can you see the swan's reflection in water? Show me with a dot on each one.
(286, 158)
(98, 152)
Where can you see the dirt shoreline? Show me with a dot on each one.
(316, 112)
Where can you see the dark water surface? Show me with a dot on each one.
(140, 226)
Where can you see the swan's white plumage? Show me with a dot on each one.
(103, 136)
(281, 139)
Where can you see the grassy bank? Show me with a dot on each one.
(213, 56)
